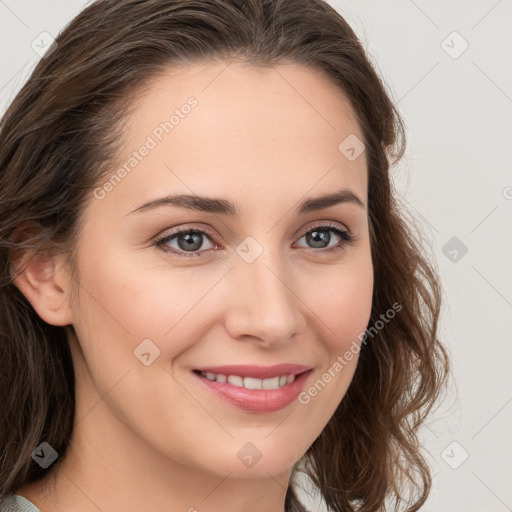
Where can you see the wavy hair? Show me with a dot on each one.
(59, 139)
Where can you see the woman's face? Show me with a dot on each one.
(261, 287)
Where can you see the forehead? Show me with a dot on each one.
(219, 127)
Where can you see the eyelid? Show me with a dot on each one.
(325, 223)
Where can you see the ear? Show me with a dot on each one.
(45, 282)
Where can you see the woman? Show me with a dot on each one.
(208, 287)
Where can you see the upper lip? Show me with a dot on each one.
(258, 372)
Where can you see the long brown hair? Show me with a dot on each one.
(59, 139)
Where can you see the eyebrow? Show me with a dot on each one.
(225, 207)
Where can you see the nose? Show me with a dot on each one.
(262, 304)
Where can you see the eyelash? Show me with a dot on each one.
(345, 235)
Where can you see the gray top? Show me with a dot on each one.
(17, 503)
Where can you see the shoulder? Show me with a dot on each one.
(17, 503)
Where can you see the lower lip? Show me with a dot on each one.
(257, 400)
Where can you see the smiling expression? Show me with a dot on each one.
(216, 248)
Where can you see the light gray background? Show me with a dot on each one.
(455, 178)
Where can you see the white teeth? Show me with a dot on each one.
(251, 382)
(235, 380)
(271, 383)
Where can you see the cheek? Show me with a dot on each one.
(341, 302)
(342, 299)
(126, 301)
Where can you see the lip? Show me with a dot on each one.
(258, 372)
(256, 400)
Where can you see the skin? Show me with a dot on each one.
(151, 437)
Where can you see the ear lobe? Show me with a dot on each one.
(44, 282)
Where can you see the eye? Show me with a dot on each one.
(188, 242)
(319, 237)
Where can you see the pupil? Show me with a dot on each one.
(192, 241)
(317, 237)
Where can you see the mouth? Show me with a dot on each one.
(249, 382)
(255, 394)
(256, 371)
